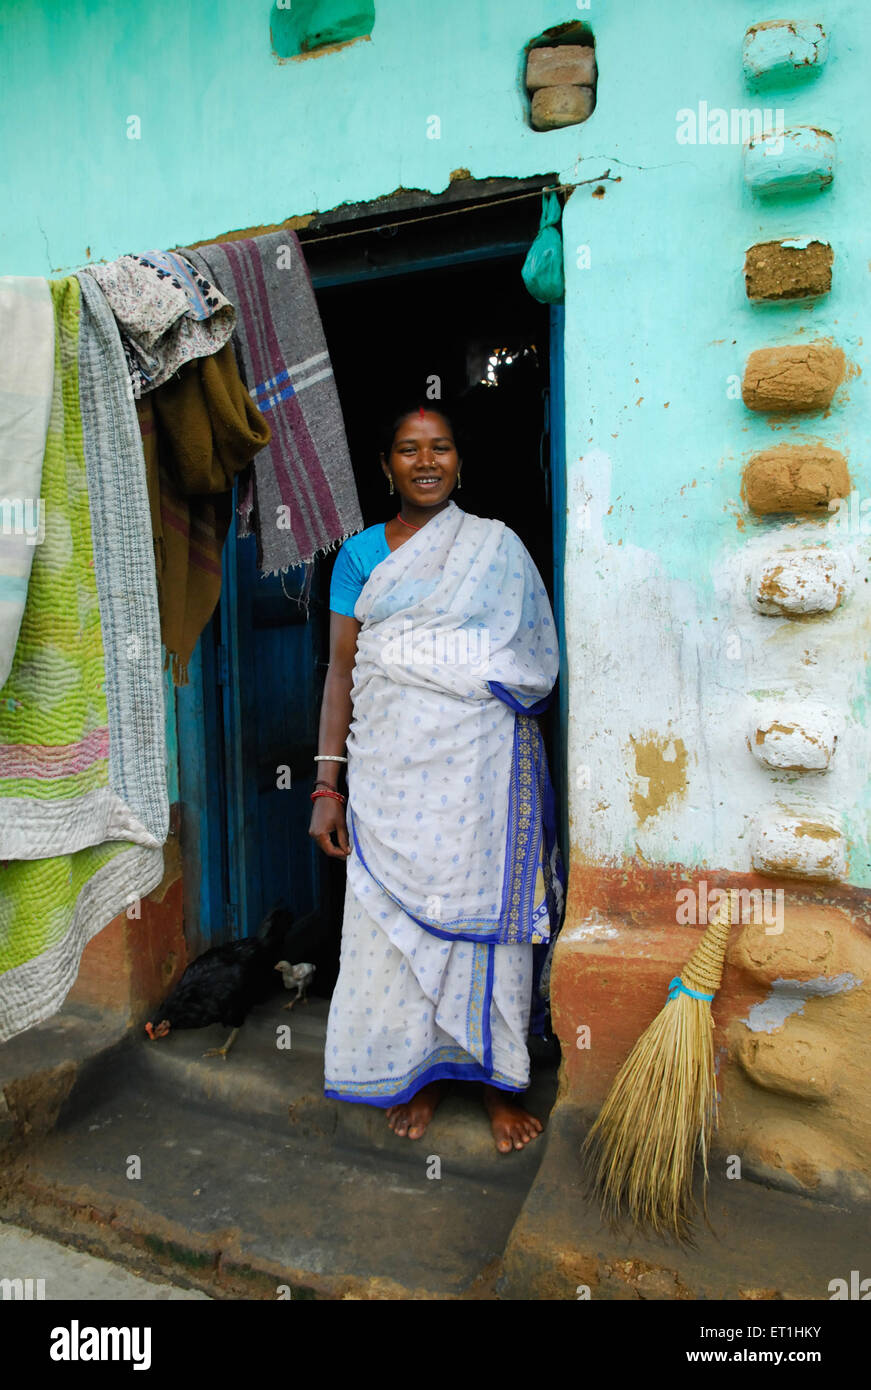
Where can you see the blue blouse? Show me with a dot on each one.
(355, 562)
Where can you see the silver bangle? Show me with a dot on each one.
(329, 758)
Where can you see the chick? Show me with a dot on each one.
(297, 977)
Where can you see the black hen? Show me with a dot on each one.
(223, 984)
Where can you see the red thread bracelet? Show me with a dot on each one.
(336, 796)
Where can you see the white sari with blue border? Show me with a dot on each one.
(454, 874)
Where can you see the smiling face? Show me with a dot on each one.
(423, 461)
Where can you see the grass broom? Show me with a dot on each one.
(639, 1156)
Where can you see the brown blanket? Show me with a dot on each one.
(199, 429)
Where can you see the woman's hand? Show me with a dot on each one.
(328, 818)
(328, 814)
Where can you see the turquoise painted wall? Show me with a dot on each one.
(659, 542)
(657, 326)
(232, 137)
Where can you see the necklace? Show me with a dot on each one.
(408, 523)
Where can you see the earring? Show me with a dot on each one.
(391, 486)
(459, 480)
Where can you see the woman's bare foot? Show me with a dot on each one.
(512, 1126)
(412, 1118)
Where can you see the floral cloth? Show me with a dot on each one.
(167, 313)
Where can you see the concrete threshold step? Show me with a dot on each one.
(238, 1176)
(232, 1207)
(281, 1089)
(43, 1066)
(70, 1037)
(40, 1068)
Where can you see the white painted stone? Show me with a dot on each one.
(793, 583)
(784, 48)
(798, 737)
(789, 161)
(799, 844)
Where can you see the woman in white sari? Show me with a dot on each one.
(442, 650)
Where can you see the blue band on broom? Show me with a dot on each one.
(639, 1157)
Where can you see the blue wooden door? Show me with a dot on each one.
(270, 664)
(247, 724)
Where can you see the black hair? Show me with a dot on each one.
(387, 433)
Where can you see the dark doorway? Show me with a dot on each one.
(472, 334)
(422, 311)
